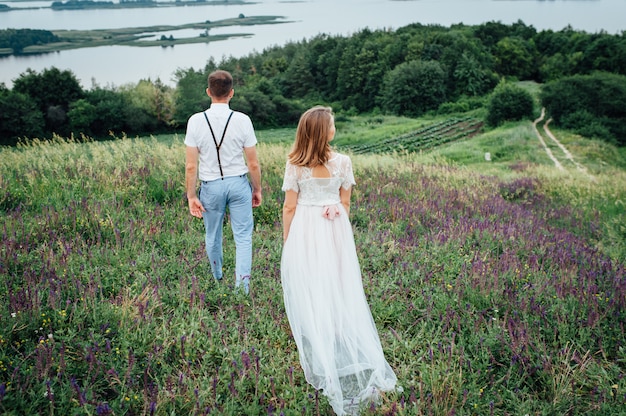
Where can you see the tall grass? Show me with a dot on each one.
(496, 288)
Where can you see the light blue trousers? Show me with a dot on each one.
(235, 193)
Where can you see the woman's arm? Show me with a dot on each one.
(344, 195)
(289, 210)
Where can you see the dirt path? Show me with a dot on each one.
(566, 152)
(568, 155)
(543, 143)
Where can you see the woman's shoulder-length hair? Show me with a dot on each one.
(311, 147)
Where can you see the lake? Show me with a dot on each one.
(118, 65)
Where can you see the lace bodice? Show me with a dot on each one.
(320, 191)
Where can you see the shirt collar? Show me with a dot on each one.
(220, 106)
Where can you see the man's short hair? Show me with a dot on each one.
(220, 83)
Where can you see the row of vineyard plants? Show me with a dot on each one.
(435, 134)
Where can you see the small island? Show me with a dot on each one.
(32, 41)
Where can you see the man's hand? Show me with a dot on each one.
(257, 198)
(195, 207)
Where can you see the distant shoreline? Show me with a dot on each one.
(108, 5)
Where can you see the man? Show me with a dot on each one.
(217, 140)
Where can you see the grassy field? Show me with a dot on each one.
(498, 286)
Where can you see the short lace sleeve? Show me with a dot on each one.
(290, 181)
(346, 173)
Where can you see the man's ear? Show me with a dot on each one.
(208, 91)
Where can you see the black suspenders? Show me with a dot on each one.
(217, 146)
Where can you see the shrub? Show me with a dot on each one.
(462, 105)
(413, 88)
(593, 104)
(19, 117)
(588, 125)
(509, 103)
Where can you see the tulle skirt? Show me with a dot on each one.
(337, 340)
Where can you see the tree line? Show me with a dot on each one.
(18, 39)
(409, 71)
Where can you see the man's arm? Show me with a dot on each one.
(191, 180)
(254, 169)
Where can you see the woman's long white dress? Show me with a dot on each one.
(337, 340)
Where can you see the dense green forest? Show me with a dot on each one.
(411, 71)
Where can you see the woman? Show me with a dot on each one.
(338, 345)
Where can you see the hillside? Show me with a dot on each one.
(476, 270)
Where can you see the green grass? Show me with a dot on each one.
(497, 286)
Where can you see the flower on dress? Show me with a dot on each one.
(330, 212)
